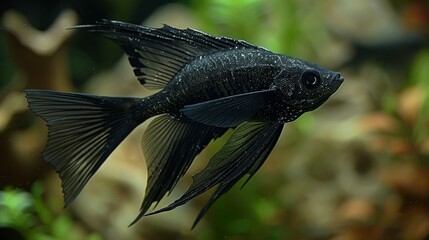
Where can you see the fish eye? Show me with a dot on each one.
(310, 79)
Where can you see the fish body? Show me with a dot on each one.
(206, 85)
(235, 72)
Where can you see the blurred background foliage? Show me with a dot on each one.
(356, 168)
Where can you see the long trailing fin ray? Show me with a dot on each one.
(82, 132)
(244, 152)
(253, 154)
(164, 50)
(170, 145)
(227, 111)
(226, 185)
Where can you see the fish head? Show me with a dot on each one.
(305, 86)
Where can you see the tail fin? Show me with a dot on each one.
(82, 132)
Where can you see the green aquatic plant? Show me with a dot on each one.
(27, 215)
(419, 77)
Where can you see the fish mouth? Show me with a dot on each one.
(335, 82)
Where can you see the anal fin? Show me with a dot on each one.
(170, 145)
(244, 152)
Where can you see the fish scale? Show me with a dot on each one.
(248, 75)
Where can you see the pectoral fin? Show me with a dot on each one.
(228, 111)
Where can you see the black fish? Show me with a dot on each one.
(207, 85)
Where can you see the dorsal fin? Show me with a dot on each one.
(157, 54)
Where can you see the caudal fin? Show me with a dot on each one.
(82, 132)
